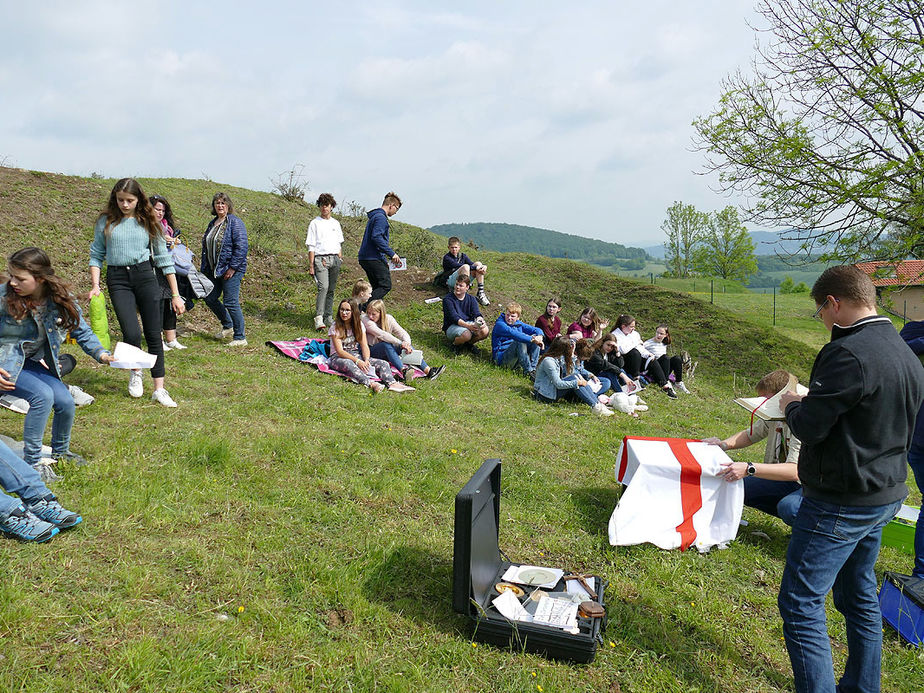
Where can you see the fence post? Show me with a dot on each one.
(774, 306)
(712, 291)
(651, 274)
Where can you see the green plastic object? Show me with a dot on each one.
(99, 323)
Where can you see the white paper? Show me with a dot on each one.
(128, 356)
(556, 612)
(908, 514)
(575, 587)
(510, 607)
(433, 299)
(402, 264)
(512, 574)
(415, 358)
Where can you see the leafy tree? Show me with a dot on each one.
(788, 286)
(726, 249)
(827, 136)
(684, 227)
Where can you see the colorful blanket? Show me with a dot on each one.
(313, 351)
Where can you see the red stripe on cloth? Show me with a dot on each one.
(624, 458)
(691, 497)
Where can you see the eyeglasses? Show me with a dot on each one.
(817, 314)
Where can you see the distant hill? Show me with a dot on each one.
(765, 243)
(529, 239)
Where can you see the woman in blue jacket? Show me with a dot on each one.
(224, 261)
(37, 311)
(550, 386)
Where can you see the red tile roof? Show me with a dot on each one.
(907, 273)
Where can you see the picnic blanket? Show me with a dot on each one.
(315, 352)
(674, 498)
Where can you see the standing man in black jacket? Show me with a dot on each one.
(855, 425)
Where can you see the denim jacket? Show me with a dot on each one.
(14, 334)
(548, 378)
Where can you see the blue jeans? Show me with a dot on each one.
(778, 498)
(17, 477)
(228, 308)
(524, 354)
(585, 393)
(833, 546)
(916, 462)
(44, 393)
(387, 352)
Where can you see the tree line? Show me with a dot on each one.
(712, 244)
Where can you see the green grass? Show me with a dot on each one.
(287, 531)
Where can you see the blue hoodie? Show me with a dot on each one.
(503, 335)
(375, 240)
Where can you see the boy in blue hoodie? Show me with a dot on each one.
(514, 343)
(375, 248)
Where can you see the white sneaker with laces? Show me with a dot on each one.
(135, 384)
(483, 298)
(319, 322)
(237, 342)
(161, 396)
(166, 347)
(602, 410)
(682, 388)
(175, 344)
(80, 397)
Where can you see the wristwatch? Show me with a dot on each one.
(752, 470)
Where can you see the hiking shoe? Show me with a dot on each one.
(224, 333)
(175, 344)
(69, 457)
(45, 472)
(483, 298)
(50, 510)
(135, 385)
(435, 372)
(161, 396)
(318, 322)
(237, 342)
(669, 391)
(683, 388)
(472, 349)
(80, 397)
(602, 410)
(23, 525)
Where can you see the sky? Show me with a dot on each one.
(573, 117)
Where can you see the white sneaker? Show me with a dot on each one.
(135, 385)
(161, 396)
(319, 322)
(175, 344)
(683, 388)
(166, 347)
(80, 397)
(225, 333)
(400, 387)
(483, 298)
(237, 342)
(602, 410)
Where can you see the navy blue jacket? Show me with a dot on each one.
(233, 253)
(375, 239)
(455, 310)
(913, 334)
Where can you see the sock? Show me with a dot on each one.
(480, 287)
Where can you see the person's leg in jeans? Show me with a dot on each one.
(379, 277)
(322, 279)
(232, 304)
(333, 273)
(386, 352)
(18, 478)
(821, 552)
(213, 301)
(122, 297)
(633, 365)
(766, 494)
(788, 507)
(44, 393)
(147, 297)
(916, 462)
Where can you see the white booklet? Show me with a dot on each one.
(413, 359)
(768, 408)
(128, 356)
(400, 265)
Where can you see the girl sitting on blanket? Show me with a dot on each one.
(350, 351)
(387, 339)
(557, 376)
(657, 345)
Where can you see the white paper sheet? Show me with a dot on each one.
(558, 613)
(128, 356)
(510, 607)
(413, 359)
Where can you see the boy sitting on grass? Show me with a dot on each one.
(514, 343)
(457, 264)
(462, 320)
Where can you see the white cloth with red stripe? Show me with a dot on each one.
(674, 498)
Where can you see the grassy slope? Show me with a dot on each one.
(287, 531)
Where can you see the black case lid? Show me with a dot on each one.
(911, 587)
(476, 558)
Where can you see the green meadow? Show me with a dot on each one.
(287, 531)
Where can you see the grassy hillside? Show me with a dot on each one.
(287, 531)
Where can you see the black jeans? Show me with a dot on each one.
(135, 289)
(379, 277)
(671, 364)
(634, 366)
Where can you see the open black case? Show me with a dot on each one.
(478, 565)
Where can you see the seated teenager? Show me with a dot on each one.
(773, 486)
(457, 264)
(636, 357)
(587, 326)
(657, 346)
(514, 343)
(388, 340)
(557, 377)
(36, 515)
(549, 322)
(349, 351)
(462, 319)
(604, 361)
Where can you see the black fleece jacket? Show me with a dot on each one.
(857, 420)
